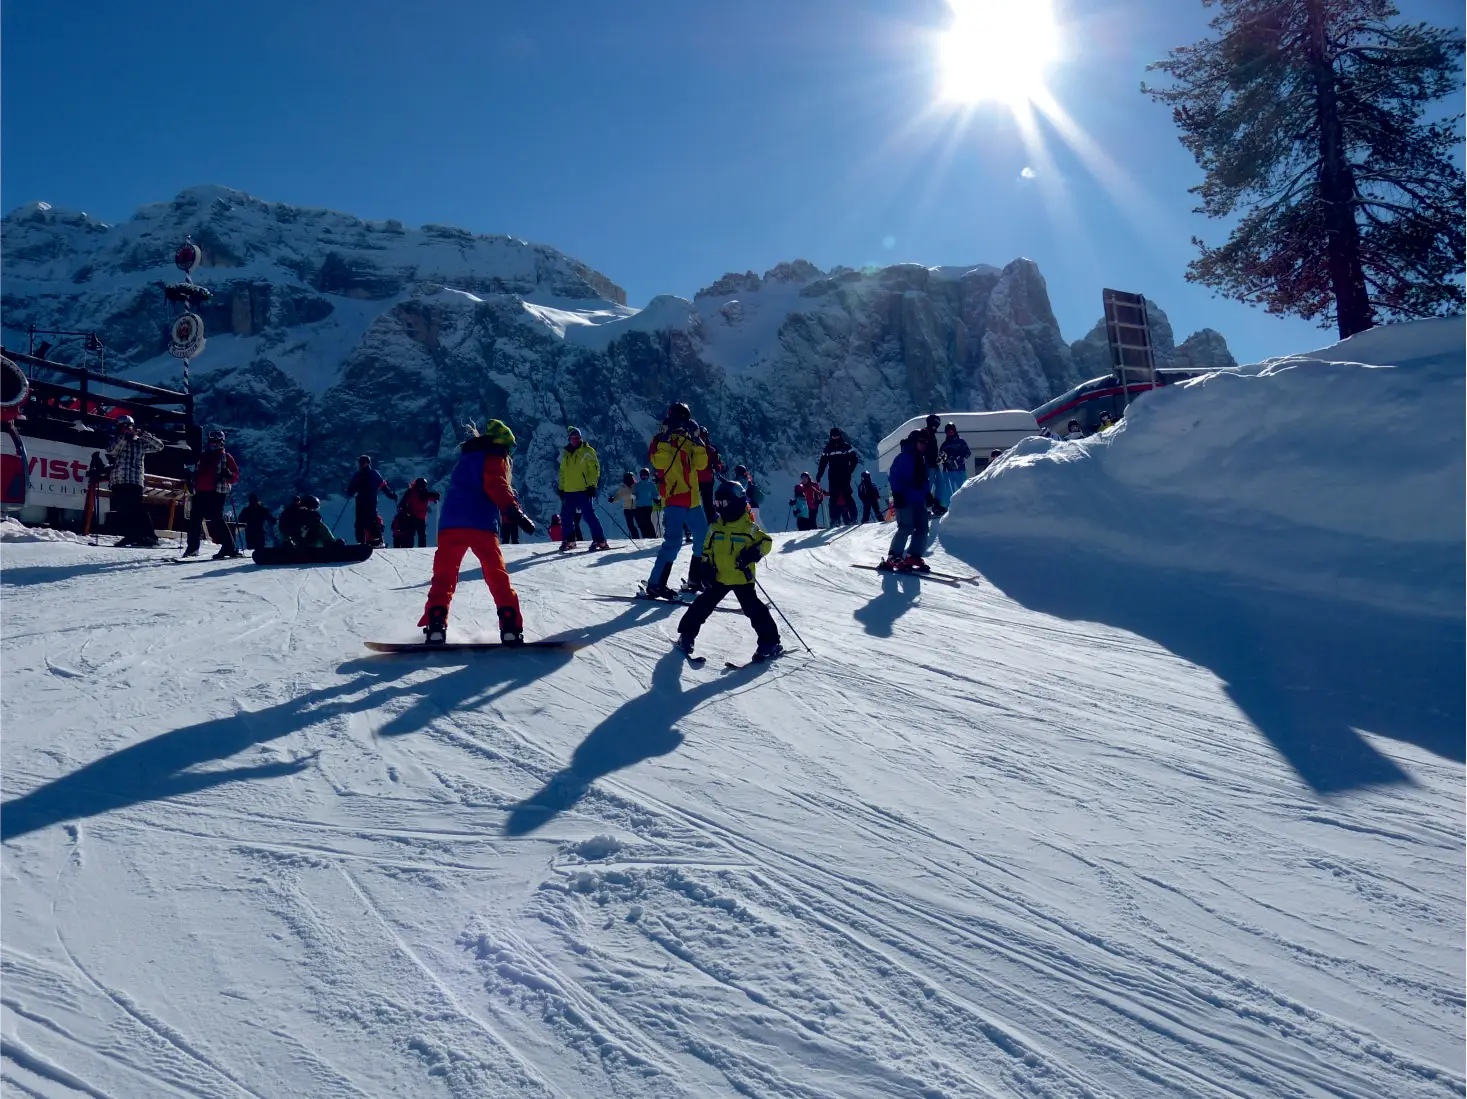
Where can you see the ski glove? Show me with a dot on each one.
(749, 555)
(521, 520)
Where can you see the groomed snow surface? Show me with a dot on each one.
(1141, 813)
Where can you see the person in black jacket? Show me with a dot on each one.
(254, 517)
(364, 486)
(870, 497)
(840, 459)
(954, 454)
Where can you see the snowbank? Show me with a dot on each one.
(1337, 474)
(12, 530)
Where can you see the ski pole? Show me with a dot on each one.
(341, 516)
(779, 612)
(618, 525)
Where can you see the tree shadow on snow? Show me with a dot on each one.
(1306, 672)
(641, 729)
(176, 762)
(898, 596)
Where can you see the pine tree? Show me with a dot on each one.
(1312, 119)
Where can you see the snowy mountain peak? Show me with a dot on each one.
(330, 335)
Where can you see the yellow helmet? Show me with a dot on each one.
(498, 432)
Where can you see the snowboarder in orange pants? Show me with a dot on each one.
(478, 501)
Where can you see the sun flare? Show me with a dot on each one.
(997, 50)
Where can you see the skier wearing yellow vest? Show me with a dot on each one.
(731, 551)
(580, 474)
(676, 456)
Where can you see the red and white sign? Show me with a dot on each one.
(56, 472)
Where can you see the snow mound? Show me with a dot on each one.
(1333, 474)
(12, 530)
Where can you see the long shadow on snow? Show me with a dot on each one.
(641, 729)
(897, 597)
(164, 766)
(26, 575)
(1306, 672)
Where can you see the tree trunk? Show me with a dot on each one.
(1337, 189)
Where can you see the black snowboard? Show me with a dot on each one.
(316, 555)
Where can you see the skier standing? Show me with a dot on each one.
(254, 517)
(752, 492)
(479, 502)
(908, 477)
(806, 503)
(953, 454)
(411, 524)
(870, 497)
(705, 475)
(645, 493)
(841, 459)
(678, 457)
(364, 485)
(580, 477)
(626, 495)
(128, 454)
(731, 550)
(215, 470)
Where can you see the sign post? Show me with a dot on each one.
(1128, 332)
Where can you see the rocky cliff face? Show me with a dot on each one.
(331, 336)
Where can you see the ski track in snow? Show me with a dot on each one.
(965, 849)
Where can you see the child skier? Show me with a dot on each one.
(479, 500)
(731, 551)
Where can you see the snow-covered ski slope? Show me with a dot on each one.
(1077, 830)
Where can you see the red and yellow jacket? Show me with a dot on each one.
(678, 457)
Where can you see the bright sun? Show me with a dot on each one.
(997, 49)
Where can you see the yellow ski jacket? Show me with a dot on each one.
(580, 469)
(725, 541)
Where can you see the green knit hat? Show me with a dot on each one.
(498, 432)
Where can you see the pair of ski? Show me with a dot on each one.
(729, 665)
(941, 577)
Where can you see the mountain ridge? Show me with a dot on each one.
(331, 335)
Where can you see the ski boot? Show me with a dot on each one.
(659, 591)
(190, 553)
(767, 652)
(436, 631)
(684, 643)
(599, 544)
(891, 564)
(224, 555)
(511, 629)
(568, 545)
(913, 563)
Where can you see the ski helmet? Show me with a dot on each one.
(364, 459)
(730, 501)
(310, 503)
(741, 471)
(933, 421)
(629, 478)
(951, 428)
(125, 421)
(678, 413)
(646, 472)
(216, 436)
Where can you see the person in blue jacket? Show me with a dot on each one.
(908, 479)
(953, 457)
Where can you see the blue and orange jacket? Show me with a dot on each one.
(479, 491)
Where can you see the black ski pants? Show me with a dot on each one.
(644, 521)
(757, 613)
(367, 518)
(132, 516)
(869, 512)
(209, 506)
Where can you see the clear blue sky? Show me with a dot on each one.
(663, 142)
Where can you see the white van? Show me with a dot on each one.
(984, 432)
